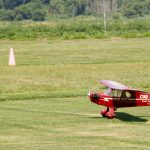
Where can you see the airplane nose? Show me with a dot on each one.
(95, 96)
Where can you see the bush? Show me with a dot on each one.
(74, 30)
(19, 17)
(116, 16)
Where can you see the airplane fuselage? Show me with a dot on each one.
(140, 99)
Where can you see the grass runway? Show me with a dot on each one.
(43, 99)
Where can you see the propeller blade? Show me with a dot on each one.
(89, 93)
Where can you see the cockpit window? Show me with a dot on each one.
(125, 94)
(116, 93)
(113, 93)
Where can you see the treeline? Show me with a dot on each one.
(76, 29)
(39, 10)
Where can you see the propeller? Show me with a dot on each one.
(89, 93)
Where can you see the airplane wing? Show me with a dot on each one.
(116, 85)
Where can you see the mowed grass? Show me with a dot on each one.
(43, 99)
(70, 123)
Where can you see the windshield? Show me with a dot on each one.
(108, 91)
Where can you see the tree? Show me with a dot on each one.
(36, 4)
(38, 15)
(46, 1)
(9, 4)
(57, 6)
(7, 15)
(1, 4)
(76, 7)
(24, 11)
(134, 8)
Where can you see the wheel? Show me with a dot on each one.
(110, 115)
(103, 112)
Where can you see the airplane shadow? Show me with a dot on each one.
(126, 117)
(129, 118)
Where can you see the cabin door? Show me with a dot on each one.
(127, 100)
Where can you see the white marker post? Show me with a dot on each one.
(12, 61)
(104, 15)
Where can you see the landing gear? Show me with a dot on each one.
(104, 112)
(109, 113)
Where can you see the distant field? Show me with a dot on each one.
(43, 99)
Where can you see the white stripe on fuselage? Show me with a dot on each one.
(107, 99)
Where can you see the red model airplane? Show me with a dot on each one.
(118, 95)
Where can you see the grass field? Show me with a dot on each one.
(43, 103)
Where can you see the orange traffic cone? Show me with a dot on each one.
(12, 61)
